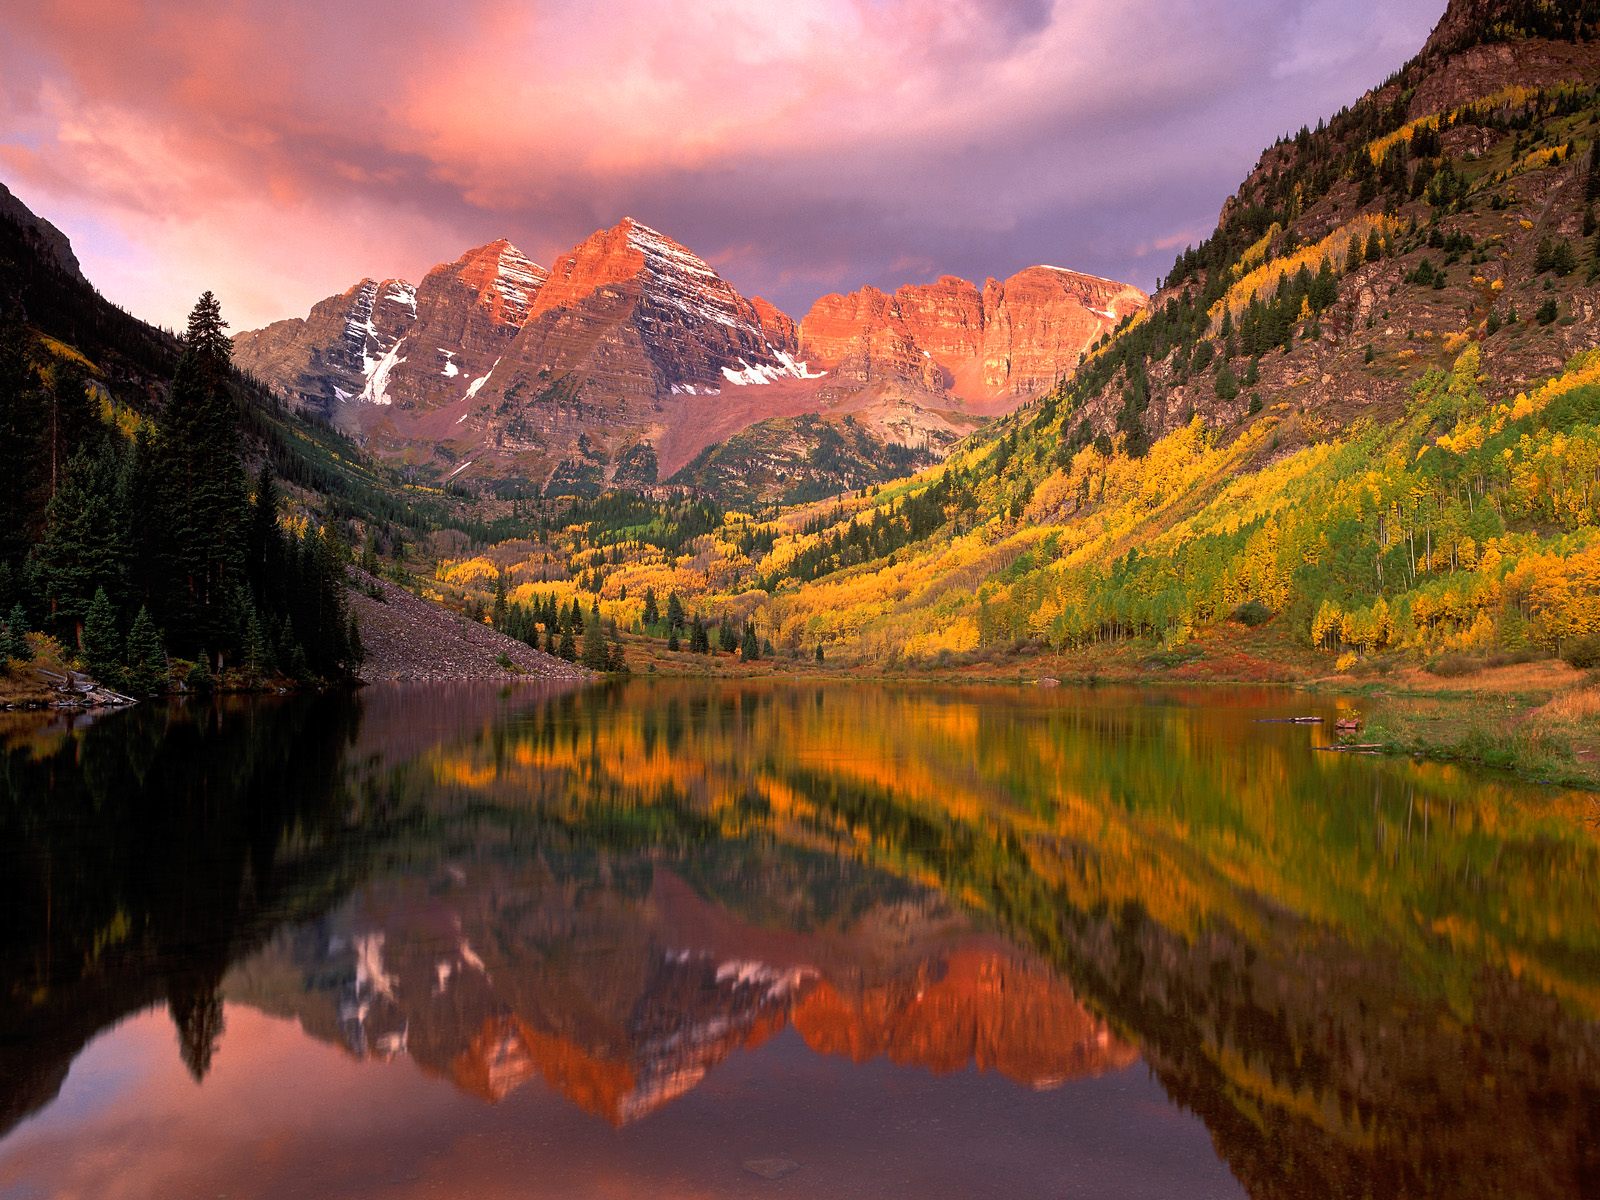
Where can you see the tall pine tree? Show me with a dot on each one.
(202, 492)
(84, 549)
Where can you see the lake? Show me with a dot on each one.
(697, 939)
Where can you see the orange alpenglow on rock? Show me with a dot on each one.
(631, 354)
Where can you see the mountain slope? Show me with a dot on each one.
(633, 357)
(386, 342)
(989, 348)
(1363, 413)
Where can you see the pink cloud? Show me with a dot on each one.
(278, 150)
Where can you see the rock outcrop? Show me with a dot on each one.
(988, 349)
(47, 239)
(632, 355)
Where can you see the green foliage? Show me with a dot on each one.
(1583, 653)
(1227, 384)
(146, 658)
(1251, 613)
(1548, 312)
(102, 645)
(13, 636)
(594, 646)
(85, 547)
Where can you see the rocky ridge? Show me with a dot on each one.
(631, 356)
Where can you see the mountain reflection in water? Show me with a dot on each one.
(1361, 977)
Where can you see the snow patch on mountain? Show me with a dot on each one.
(402, 293)
(746, 374)
(377, 389)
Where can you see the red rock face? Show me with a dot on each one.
(990, 348)
(632, 354)
(626, 1003)
(780, 330)
(393, 345)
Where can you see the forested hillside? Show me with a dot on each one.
(129, 531)
(1362, 412)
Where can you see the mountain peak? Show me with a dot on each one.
(1468, 23)
(505, 278)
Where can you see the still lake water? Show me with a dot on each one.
(706, 940)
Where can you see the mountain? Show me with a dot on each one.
(492, 977)
(631, 358)
(1360, 417)
(989, 348)
(1469, 159)
(388, 343)
(88, 406)
(49, 241)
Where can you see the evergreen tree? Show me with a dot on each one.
(594, 646)
(258, 658)
(616, 660)
(139, 498)
(750, 647)
(672, 639)
(652, 615)
(1227, 384)
(499, 612)
(1548, 312)
(22, 450)
(674, 611)
(74, 418)
(263, 540)
(83, 550)
(1562, 260)
(1374, 247)
(820, 657)
(10, 639)
(569, 647)
(146, 658)
(17, 628)
(202, 493)
(699, 639)
(102, 642)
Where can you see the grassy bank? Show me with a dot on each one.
(1537, 719)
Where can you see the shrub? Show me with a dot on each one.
(1583, 653)
(1251, 613)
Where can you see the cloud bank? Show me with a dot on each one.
(278, 150)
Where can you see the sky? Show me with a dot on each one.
(277, 151)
